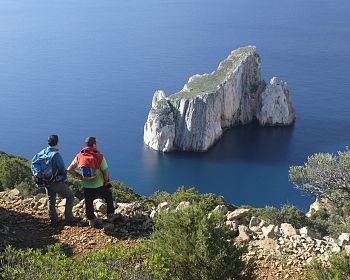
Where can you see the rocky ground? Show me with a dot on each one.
(280, 251)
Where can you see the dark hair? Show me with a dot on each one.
(52, 140)
(90, 141)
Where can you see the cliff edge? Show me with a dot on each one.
(194, 118)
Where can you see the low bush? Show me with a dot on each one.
(208, 200)
(15, 172)
(333, 221)
(189, 244)
(124, 193)
(338, 268)
(294, 216)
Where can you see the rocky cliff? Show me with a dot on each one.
(194, 118)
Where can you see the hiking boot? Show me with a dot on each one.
(95, 223)
(73, 221)
(56, 223)
(112, 218)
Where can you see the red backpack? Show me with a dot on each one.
(89, 160)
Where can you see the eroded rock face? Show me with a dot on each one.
(195, 118)
(276, 107)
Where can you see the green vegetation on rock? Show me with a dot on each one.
(208, 83)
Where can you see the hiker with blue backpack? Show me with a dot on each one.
(49, 172)
(93, 172)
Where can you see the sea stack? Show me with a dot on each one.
(194, 118)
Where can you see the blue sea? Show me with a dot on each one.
(78, 68)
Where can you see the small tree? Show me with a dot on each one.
(189, 244)
(325, 175)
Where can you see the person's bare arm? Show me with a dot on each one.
(105, 177)
(71, 170)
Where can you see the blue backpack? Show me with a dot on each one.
(43, 172)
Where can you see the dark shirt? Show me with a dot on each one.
(58, 164)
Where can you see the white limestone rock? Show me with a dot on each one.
(307, 232)
(157, 96)
(194, 118)
(233, 225)
(163, 206)
(276, 107)
(100, 206)
(344, 239)
(244, 233)
(319, 204)
(153, 214)
(237, 214)
(221, 208)
(159, 130)
(183, 205)
(43, 201)
(288, 229)
(14, 193)
(254, 222)
(270, 231)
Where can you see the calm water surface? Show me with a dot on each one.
(79, 68)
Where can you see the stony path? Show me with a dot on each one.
(27, 227)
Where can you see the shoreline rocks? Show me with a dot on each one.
(194, 118)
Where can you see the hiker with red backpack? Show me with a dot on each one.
(94, 176)
(49, 172)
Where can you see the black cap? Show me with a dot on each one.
(90, 141)
(52, 140)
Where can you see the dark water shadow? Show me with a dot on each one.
(26, 231)
(270, 145)
(252, 143)
(249, 143)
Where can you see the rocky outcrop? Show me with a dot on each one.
(194, 118)
(275, 106)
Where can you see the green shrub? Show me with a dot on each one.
(28, 189)
(337, 269)
(208, 200)
(294, 216)
(113, 262)
(288, 214)
(187, 244)
(123, 193)
(14, 171)
(334, 221)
